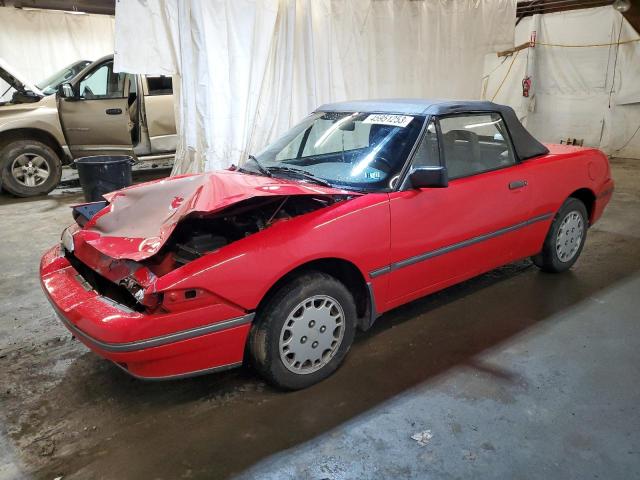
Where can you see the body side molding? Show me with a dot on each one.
(161, 340)
(450, 248)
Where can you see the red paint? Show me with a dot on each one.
(370, 231)
(141, 218)
(176, 202)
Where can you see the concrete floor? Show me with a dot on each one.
(517, 374)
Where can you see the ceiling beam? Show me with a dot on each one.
(102, 7)
(633, 15)
(531, 7)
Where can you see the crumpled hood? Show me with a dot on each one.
(140, 219)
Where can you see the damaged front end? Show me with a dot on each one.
(122, 282)
(125, 268)
(201, 234)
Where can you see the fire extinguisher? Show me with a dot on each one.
(526, 86)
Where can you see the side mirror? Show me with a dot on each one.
(65, 90)
(429, 177)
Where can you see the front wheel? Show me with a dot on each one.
(304, 332)
(29, 168)
(565, 239)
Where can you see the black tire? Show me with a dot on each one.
(266, 332)
(33, 149)
(549, 259)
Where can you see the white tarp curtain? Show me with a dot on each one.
(37, 43)
(574, 91)
(247, 69)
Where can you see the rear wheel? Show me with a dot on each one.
(304, 331)
(565, 239)
(29, 168)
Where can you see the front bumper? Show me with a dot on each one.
(150, 346)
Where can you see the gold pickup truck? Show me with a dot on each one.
(99, 112)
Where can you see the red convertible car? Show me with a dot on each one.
(362, 207)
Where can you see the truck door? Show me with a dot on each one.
(161, 121)
(95, 119)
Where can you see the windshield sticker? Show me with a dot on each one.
(386, 119)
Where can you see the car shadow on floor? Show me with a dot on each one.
(221, 424)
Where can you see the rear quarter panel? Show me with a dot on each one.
(554, 177)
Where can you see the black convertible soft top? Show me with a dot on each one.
(525, 144)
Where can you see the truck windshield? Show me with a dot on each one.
(361, 151)
(50, 84)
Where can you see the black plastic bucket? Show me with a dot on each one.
(102, 174)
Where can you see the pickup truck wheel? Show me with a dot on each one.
(29, 168)
(304, 331)
(565, 239)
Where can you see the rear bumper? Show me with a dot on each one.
(149, 346)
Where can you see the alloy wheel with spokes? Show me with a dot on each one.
(30, 170)
(29, 167)
(311, 334)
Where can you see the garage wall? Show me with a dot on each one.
(248, 69)
(590, 92)
(37, 43)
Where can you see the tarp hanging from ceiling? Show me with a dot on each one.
(575, 92)
(248, 69)
(38, 43)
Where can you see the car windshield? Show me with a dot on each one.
(361, 151)
(50, 84)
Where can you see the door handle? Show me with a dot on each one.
(113, 111)
(517, 184)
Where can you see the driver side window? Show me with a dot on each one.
(103, 82)
(475, 143)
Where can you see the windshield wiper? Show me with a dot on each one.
(261, 167)
(302, 173)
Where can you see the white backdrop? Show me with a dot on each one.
(575, 93)
(37, 43)
(247, 69)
